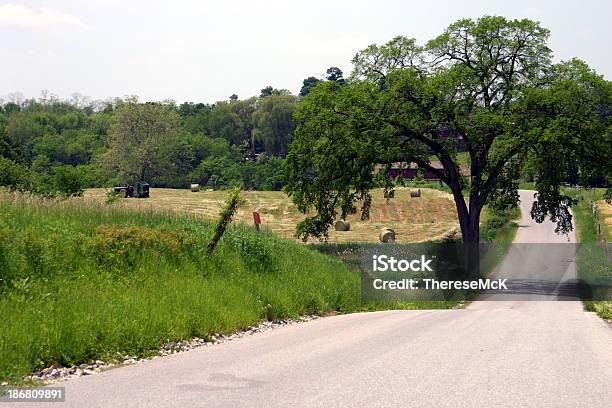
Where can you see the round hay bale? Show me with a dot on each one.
(387, 235)
(342, 225)
(415, 193)
(195, 188)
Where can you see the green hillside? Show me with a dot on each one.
(80, 282)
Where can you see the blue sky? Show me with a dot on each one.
(207, 50)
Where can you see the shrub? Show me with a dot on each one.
(496, 220)
(68, 181)
(498, 225)
(13, 175)
(37, 252)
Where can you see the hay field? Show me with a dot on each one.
(605, 212)
(413, 219)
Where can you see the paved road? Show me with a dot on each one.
(492, 354)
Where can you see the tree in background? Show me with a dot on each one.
(143, 141)
(223, 122)
(195, 117)
(24, 127)
(215, 145)
(14, 176)
(273, 123)
(267, 91)
(217, 163)
(335, 74)
(6, 147)
(308, 84)
(406, 102)
(232, 121)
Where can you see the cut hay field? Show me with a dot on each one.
(429, 217)
(605, 213)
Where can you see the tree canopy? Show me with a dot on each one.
(140, 140)
(308, 84)
(273, 123)
(488, 84)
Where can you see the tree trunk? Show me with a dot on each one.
(471, 246)
(469, 222)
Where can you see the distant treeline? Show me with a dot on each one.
(238, 142)
(49, 145)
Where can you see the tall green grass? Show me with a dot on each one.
(80, 282)
(586, 232)
(499, 226)
(586, 229)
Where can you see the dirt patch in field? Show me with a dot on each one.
(414, 219)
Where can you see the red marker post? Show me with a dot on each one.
(256, 220)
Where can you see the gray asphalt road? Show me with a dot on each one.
(492, 354)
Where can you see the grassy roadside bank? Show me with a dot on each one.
(499, 227)
(586, 229)
(80, 282)
(586, 233)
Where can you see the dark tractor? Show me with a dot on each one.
(141, 190)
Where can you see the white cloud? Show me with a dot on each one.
(22, 16)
